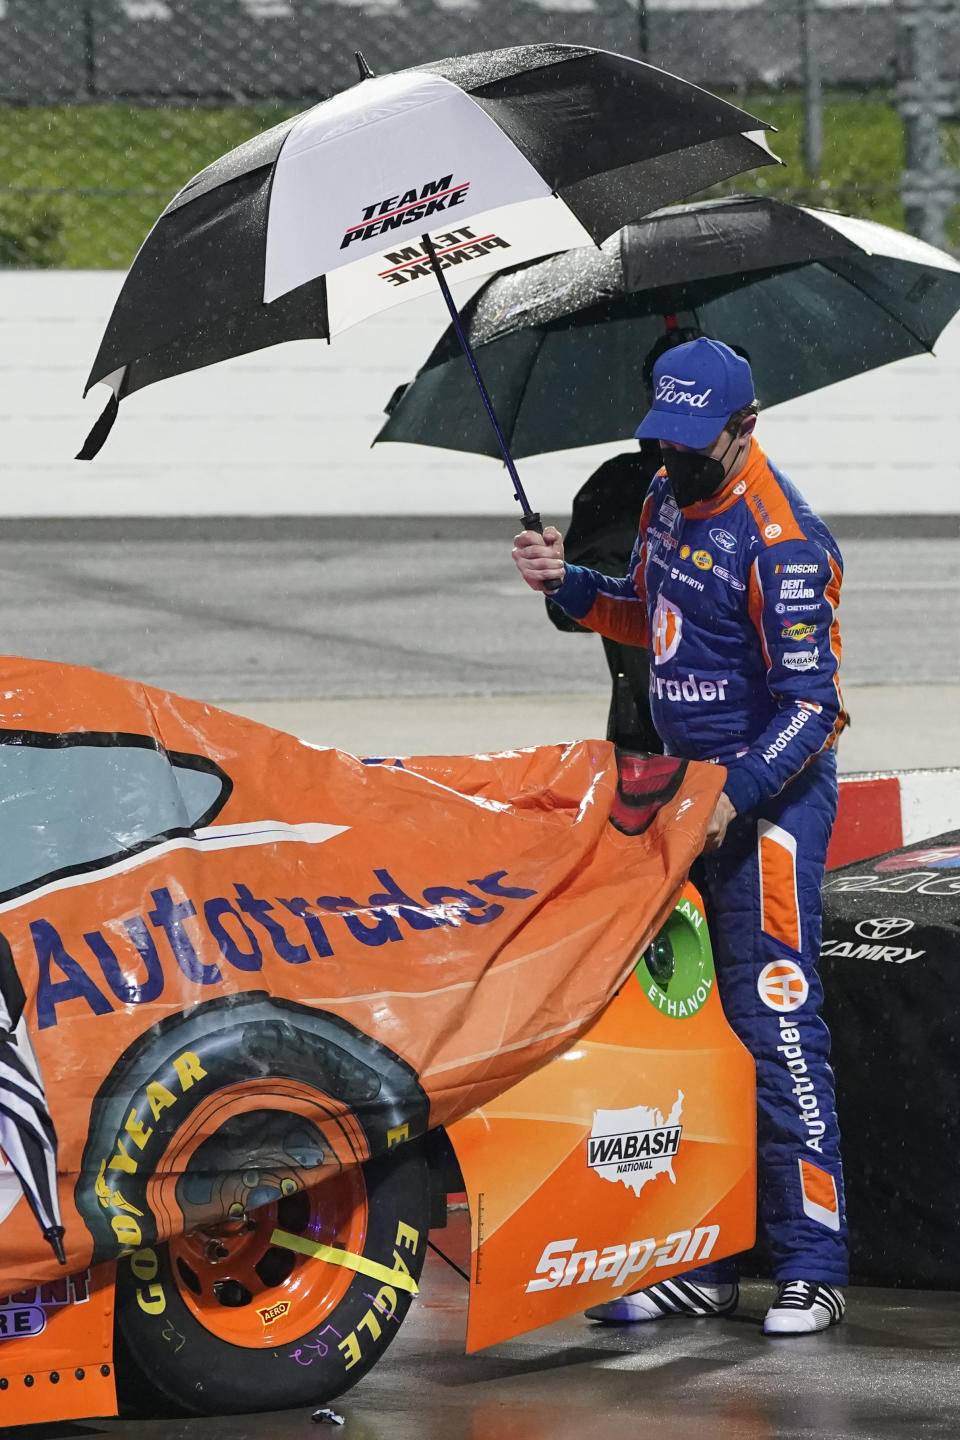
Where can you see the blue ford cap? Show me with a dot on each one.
(696, 388)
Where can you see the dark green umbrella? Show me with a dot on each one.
(812, 296)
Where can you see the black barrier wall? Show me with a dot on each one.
(302, 50)
(891, 978)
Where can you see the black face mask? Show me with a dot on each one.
(695, 477)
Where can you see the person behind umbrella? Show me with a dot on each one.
(734, 584)
(603, 526)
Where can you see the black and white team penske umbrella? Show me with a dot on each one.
(27, 1137)
(456, 169)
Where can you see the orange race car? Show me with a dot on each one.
(254, 996)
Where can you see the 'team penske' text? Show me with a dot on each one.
(412, 207)
(456, 247)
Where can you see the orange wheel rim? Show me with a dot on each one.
(232, 1279)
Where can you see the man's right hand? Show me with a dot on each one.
(723, 813)
(539, 558)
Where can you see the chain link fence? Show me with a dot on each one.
(111, 105)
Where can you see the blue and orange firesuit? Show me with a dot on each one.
(737, 599)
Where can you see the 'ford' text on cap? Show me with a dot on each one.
(696, 388)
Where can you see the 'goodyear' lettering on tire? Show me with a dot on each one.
(150, 1294)
(184, 1062)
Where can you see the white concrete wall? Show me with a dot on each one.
(288, 431)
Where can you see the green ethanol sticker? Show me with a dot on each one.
(676, 973)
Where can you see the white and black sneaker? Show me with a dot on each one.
(803, 1306)
(665, 1299)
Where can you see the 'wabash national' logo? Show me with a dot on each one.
(633, 1146)
(413, 205)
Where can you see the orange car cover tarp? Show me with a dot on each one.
(200, 909)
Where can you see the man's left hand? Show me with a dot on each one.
(723, 813)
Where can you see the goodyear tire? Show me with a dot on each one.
(218, 1128)
(297, 1340)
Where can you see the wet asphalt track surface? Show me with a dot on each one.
(298, 609)
(889, 1372)
(312, 609)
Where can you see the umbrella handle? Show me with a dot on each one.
(531, 518)
(532, 521)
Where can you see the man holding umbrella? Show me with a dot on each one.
(734, 584)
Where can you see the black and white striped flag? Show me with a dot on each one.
(27, 1136)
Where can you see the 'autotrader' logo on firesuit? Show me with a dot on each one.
(782, 986)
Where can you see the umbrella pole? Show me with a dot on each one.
(531, 518)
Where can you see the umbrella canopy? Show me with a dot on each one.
(814, 297)
(484, 159)
(27, 1137)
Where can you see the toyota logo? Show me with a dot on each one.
(883, 928)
